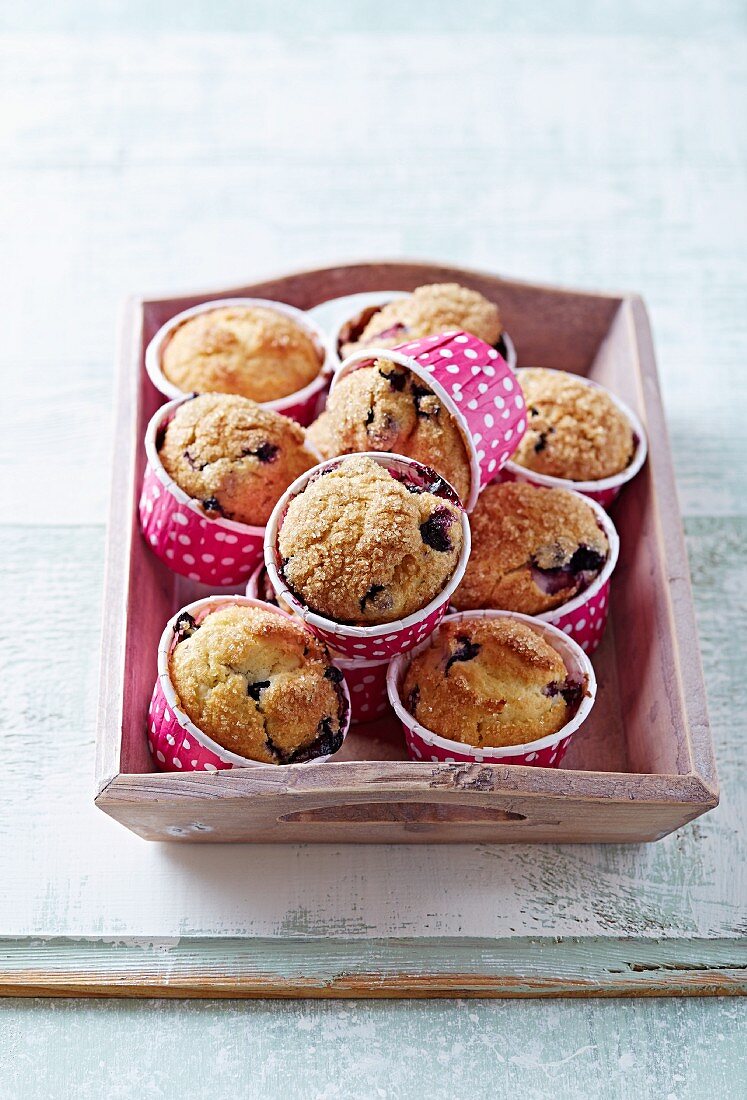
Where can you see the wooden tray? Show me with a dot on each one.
(641, 767)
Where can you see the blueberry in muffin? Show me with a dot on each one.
(258, 684)
(233, 456)
(490, 682)
(532, 549)
(574, 430)
(253, 351)
(430, 309)
(360, 546)
(384, 407)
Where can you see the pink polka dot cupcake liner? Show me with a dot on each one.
(212, 551)
(477, 387)
(176, 744)
(387, 639)
(546, 752)
(366, 680)
(300, 406)
(369, 304)
(585, 616)
(605, 490)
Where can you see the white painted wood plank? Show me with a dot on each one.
(300, 152)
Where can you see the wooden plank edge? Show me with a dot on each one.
(682, 604)
(353, 265)
(319, 968)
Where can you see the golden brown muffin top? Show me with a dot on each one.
(384, 407)
(532, 549)
(359, 547)
(259, 684)
(233, 456)
(574, 430)
(429, 310)
(490, 682)
(253, 351)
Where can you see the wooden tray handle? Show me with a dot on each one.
(399, 813)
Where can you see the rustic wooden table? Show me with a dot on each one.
(153, 150)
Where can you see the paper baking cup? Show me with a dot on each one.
(605, 490)
(584, 617)
(366, 305)
(475, 385)
(213, 551)
(547, 752)
(366, 679)
(176, 744)
(300, 406)
(385, 639)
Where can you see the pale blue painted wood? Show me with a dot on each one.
(613, 1050)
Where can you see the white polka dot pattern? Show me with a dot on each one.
(367, 685)
(399, 641)
(192, 544)
(420, 749)
(479, 381)
(173, 748)
(586, 623)
(605, 497)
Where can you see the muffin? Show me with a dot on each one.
(360, 547)
(252, 351)
(384, 407)
(437, 307)
(233, 456)
(532, 549)
(574, 430)
(258, 684)
(490, 682)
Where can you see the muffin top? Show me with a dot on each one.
(532, 549)
(259, 684)
(384, 407)
(360, 547)
(248, 350)
(574, 430)
(490, 682)
(233, 456)
(437, 307)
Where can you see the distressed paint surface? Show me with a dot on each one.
(668, 1050)
(592, 145)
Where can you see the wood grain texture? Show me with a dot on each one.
(377, 968)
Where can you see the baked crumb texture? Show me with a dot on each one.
(384, 407)
(248, 350)
(258, 684)
(532, 549)
(361, 547)
(233, 456)
(430, 309)
(574, 430)
(489, 683)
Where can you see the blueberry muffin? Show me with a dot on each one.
(437, 307)
(360, 546)
(532, 549)
(574, 430)
(490, 682)
(233, 456)
(258, 684)
(248, 350)
(384, 407)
